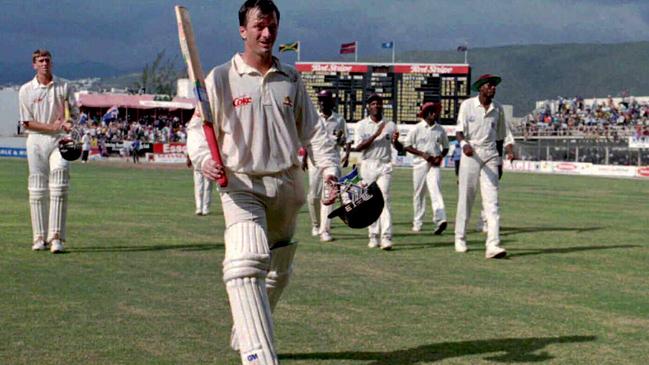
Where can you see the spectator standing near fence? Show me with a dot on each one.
(85, 147)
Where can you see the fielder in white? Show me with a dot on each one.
(263, 115)
(42, 113)
(202, 186)
(374, 138)
(482, 132)
(428, 142)
(336, 127)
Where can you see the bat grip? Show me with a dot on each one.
(208, 129)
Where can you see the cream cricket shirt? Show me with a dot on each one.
(428, 139)
(45, 103)
(334, 125)
(482, 128)
(381, 148)
(261, 120)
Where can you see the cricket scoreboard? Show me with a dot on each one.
(404, 87)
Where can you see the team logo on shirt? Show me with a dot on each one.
(241, 101)
(288, 102)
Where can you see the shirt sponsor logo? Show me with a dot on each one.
(288, 102)
(244, 100)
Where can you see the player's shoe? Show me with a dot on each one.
(56, 246)
(326, 237)
(416, 228)
(315, 231)
(440, 227)
(39, 245)
(374, 242)
(206, 212)
(495, 252)
(198, 212)
(460, 246)
(386, 244)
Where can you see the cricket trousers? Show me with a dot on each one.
(48, 184)
(202, 192)
(474, 172)
(425, 176)
(381, 172)
(317, 211)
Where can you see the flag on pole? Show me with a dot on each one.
(462, 48)
(347, 48)
(289, 47)
(387, 45)
(111, 114)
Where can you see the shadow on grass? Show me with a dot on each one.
(517, 252)
(504, 350)
(194, 247)
(507, 231)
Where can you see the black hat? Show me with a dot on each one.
(485, 79)
(372, 97)
(363, 209)
(325, 94)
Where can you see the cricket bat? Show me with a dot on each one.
(196, 76)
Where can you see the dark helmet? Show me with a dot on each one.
(364, 208)
(325, 94)
(70, 149)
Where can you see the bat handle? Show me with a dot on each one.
(208, 129)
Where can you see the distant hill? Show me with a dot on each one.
(530, 72)
(538, 72)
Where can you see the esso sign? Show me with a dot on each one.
(643, 171)
(174, 148)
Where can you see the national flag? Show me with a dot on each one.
(351, 178)
(387, 45)
(346, 48)
(83, 118)
(111, 114)
(288, 47)
(462, 48)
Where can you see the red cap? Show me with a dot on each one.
(436, 106)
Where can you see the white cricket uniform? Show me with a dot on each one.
(48, 171)
(261, 121)
(376, 165)
(481, 128)
(431, 140)
(334, 124)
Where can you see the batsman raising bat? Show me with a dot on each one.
(47, 108)
(262, 116)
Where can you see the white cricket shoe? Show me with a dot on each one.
(460, 246)
(326, 237)
(198, 212)
(56, 246)
(495, 252)
(374, 242)
(315, 231)
(206, 212)
(416, 228)
(386, 244)
(39, 245)
(440, 227)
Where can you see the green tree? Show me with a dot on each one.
(159, 77)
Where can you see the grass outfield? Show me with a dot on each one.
(141, 281)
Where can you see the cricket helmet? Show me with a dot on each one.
(362, 206)
(70, 148)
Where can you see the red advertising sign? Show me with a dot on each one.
(330, 67)
(566, 166)
(431, 69)
(643, 171)
(174, 147)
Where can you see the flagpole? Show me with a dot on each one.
(356, 52)
(394, 45)
(299, 48)
(466, 52)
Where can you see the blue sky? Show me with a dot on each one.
(127, 34)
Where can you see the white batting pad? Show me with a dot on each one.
(59, 182)
(38, 204)
(245, 267)
(281, 267)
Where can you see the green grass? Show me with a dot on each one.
(141, 282)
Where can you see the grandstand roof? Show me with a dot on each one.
(130, 101)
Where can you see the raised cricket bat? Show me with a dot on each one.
(195, 71)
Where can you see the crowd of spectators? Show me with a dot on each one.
(597, 119)
(119, 134)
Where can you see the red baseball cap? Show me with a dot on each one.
(435, 105)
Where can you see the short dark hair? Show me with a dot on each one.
(40, 53)
(265, 7)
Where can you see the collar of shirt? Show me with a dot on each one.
(241, 67)
(331, 118)
(36, 84)
(426, 125)
(478, 104)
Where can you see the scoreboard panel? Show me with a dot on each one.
(404, 87)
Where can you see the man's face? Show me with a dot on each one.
(488, 90)
(375, 109)
(430, 117)
(326, 105)
(260, 32)
(42, 65)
